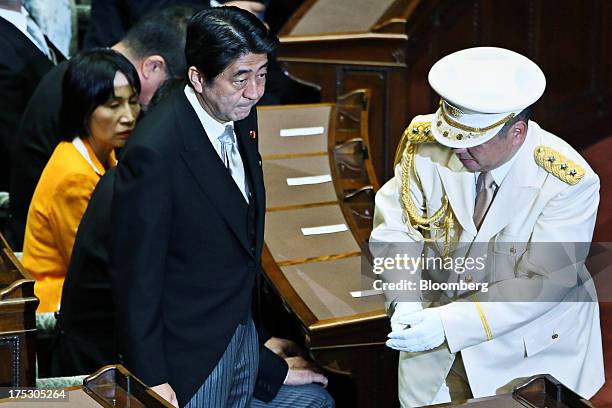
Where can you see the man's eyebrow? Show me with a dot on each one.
(246, 71)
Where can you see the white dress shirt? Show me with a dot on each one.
(214, 129)
(20, 20)
(498, 173)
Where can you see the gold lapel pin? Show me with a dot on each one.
(253, 134)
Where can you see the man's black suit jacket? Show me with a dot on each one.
(182, 264)
(22, 65)
(86, 338)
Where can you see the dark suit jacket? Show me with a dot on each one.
(86, 338)
(22, 65)
(38, 135)
(182, 264)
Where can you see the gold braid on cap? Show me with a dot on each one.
(444, 104)
(441, 222)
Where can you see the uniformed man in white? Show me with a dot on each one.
(479, 171)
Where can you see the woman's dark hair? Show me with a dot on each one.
(218, 36)
(89, 83)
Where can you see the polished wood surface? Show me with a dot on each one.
(115, 386)
(17, 321)
(539, 391)
(569, 40)
(110, 387)
(309, 279)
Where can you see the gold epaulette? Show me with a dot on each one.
(416, 132)
(558, 165)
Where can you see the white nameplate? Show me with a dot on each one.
(307, 131)
(302, 181)
(325, 229)
(364, 293)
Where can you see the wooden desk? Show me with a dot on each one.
(309, 278)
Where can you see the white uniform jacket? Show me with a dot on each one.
(502, 341)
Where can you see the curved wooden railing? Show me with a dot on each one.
(312, 276)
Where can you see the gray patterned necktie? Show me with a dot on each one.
(232, 160)
(38, 37)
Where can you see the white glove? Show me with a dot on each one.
(403, 309)
(424, 331)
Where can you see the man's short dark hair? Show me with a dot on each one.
(89, 83)
(217, 37)
(523, 116)
(161, 33)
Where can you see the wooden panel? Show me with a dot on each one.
(9, 355)
(376, 80)
(345, 16)
(367, 381)
(273, 119)
(563, 62)
(605, 47)
(279, 195)
(366, 49)
(370, 374)
(287, 243)
(17, 321)
(325, 287)
(17, 354)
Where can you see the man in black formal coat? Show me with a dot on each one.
(154, 46)
(85, 339)
(188, 219)
(25, 57)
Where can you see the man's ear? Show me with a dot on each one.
(196, 78)
(153, 66)
(518, 133)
